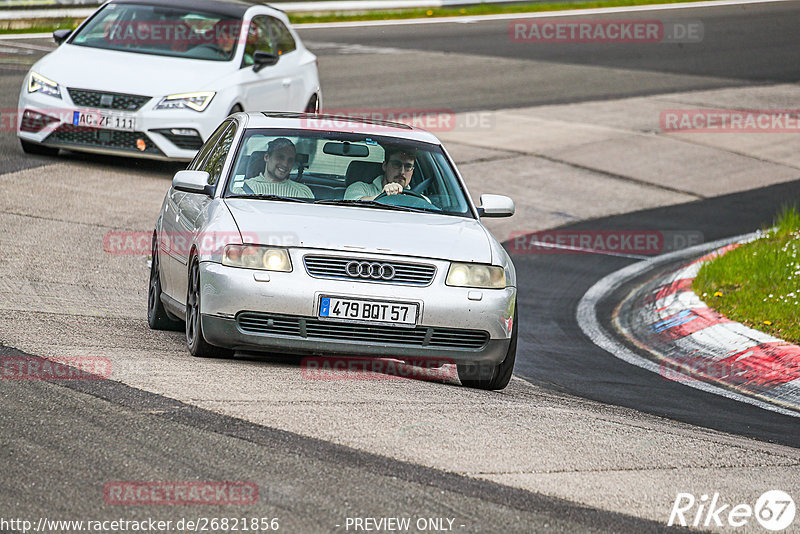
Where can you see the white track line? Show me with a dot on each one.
(586, 315)
(12, 36)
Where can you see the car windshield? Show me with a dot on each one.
(345, 168)
(161, 30)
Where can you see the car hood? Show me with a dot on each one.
(127, 72)
(361, 230)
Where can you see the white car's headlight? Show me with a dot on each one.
(196, 101)
(39, 84)
(476, 275)
(257, 257)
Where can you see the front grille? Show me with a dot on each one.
(451, 337)
(187, 142)
(313, 328)
(415, 274)
(263, 324)
(107, 100)
(67, 134)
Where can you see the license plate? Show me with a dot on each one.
(369, 311)
(105, 120)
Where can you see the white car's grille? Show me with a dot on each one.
(369, 270)
(107, 100)
(313, 328)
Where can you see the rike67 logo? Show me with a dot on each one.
(774, 510)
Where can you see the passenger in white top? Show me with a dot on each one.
(279, 159)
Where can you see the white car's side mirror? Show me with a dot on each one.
(193, 182)
(496, 206)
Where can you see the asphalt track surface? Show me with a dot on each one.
(558, 355)
(752, 45)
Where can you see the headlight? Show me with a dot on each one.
(39, 84)
(257, 257)
(476, 275)
(196, 101)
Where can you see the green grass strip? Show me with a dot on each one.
(758, 283)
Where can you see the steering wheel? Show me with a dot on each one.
(213, 47)
(422, 186)
(415, 204)
(408, 192)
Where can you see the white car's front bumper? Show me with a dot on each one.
(153, 136)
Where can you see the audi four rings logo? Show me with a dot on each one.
(365, 269)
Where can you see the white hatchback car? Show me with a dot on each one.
(331, 235)
(154, 78)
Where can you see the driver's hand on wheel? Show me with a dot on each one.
(392, 188)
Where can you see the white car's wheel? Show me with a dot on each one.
(313, 105)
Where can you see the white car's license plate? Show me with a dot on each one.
(105, 120)
(369, 311)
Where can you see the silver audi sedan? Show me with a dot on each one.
(316, 234)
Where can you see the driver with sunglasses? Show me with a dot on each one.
(398, 166)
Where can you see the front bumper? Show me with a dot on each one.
(225, 332)
(151, 138)
(452, 323)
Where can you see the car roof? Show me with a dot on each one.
(230, 8)
(338, 123)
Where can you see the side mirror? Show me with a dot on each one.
(59, 36)
(496, 206)
(263, 59)
(193, 182)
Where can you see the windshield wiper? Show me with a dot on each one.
(369, 204)
(271, 197)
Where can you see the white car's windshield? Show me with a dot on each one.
(341, 168)
(161, 30)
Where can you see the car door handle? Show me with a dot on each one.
(287, 82)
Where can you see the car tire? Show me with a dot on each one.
(495, 377)
(198, 346)
(235, 109)
(37, 149)
(313, 105)
(157, 316)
